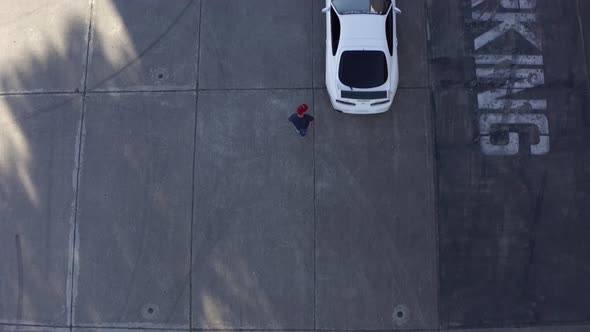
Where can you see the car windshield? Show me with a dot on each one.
(361, 6)
(363, 69)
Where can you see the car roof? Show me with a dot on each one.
(362, 26)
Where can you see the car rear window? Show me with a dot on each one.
(362, 6)
(363, 69)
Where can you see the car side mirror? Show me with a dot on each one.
(325, 10)
(397, 10)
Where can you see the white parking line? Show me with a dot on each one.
(494, 59)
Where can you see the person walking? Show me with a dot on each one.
(300, 120)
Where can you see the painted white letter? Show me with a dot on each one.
(509, 21)
(486, 121)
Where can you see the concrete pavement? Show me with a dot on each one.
(149, 178)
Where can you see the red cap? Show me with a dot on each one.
(302, 109)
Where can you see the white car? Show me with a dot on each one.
(361, 55)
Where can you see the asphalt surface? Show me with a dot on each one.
(150, 180)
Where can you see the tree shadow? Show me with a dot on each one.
(85, 245)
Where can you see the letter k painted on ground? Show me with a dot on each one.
(508, 22)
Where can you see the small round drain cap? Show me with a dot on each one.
(401, 314)
(149, 311)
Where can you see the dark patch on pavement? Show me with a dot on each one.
(513, 226)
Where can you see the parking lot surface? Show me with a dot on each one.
(150, 180)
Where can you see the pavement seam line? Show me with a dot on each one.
(39, 93)
(433, 152)
(139, 328)
(140, 91)
(259, 89)
(74, 246)
(200, 27)
(314, 165)
(90, 326)
(29, 93)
